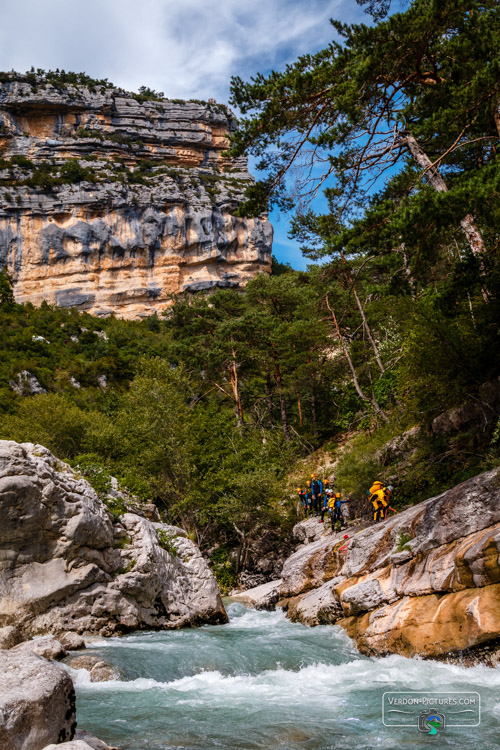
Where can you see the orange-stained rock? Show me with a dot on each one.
(429, 625)
(437, 593)
(151, 215)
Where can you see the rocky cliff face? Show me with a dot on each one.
(112, 203)
(67, 565)
(426, 581)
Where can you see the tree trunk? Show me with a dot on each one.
(355, 380)
(284, 417)
(474, 237)
(299, 407)
(314, 413)
(233, 374)
(363, 316)
(368, 331)
(497, 119)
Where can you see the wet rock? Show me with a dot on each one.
(37, 702)
(99, 670)
(65, 566)
(320, 606)
(264, 596)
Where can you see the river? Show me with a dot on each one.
(262, 682)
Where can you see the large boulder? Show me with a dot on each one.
(264, 596)
(67, 565)
(425, 581)
(37, 702)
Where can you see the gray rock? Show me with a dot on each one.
(92, 741)
(362, 597)
(71, 641)
(99, 670)
(26, 384)
(73, 745)
(64, 566)
(310, 530)
(49, 648)
(264, 596)
(37, 702)
(320, 606)
(9, 637)
(473, 414)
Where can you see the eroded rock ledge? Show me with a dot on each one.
(426, 581)
(65, 565)
(112, 203)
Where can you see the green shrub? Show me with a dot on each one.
(167, 541)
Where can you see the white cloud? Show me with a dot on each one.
(186, 48)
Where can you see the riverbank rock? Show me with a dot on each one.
(260, 597)
(67, 565)
(99, 670)
(37, 702)
(49, 648)
(94, 742)
(71, 641)
(426, 581)
(9, 637)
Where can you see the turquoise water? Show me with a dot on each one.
(262, 682)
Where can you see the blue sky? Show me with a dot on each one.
(185, 48)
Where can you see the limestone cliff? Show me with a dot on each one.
(112, 202)
(66, 564)
(425, 581)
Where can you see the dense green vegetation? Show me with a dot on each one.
(207, 409)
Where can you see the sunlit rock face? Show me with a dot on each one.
(423, 582)
(145, 212)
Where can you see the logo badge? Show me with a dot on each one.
(431, 722)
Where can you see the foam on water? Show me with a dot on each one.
(260, 682)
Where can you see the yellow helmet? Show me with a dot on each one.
(313, 476)
(299, 489)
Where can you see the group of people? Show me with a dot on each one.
(318, 499)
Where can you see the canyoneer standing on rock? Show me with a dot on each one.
(336, 505)
(326, 500)
(317, 492)
(379, 497)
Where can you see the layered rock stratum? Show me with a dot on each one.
(112, 202)
(424, 582)
(66, 564)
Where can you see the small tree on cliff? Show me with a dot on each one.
(6, 291)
